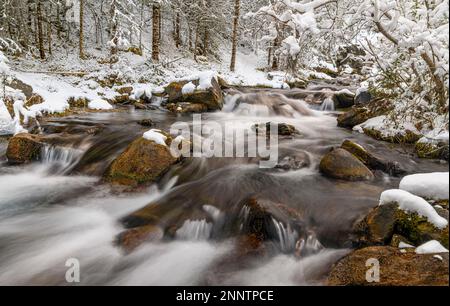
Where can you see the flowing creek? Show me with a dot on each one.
(59, 208)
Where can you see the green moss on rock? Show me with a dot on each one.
(24, 148)
(340, 164)
(142, 162)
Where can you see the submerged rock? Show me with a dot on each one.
(142, 162)
(133, 238)
(341, 164)
(397, 268)
(294, 162)
(372, 161)
(284, 129)
(383, 222)
(146, 122)
(24, 148)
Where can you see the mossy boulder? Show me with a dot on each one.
(298, 83)
(383, 222)
(372, 161)
(341, 164)
(142, 162)
(24, 148)
(396, 268)
(432, 150)
(404, 137)
(360, 114)
(78, 102)
(125, 90)
(212, 97)
(330, 72)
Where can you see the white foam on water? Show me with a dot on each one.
(195, 230)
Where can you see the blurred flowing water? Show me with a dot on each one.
(59, 208)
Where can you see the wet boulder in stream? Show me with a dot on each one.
(340, 164)
(143, 162)
(397, 268)
(212, 97)
(361, 113)
(372, 161)
(24, 148)
(384, 222)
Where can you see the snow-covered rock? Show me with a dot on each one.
(100, 104)
(188, 88)
(429, 185)
(431, 247)
(411, 203)
(156, 136)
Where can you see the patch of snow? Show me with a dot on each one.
(6, 121)
(142, 91)
(205, 79)
(414, 204)
(361, 90)
(156, 136)
(383, 125)
(291, 45)
(431, 247)
(438, 257)
(372, 123)
(403, 245)
(435, 137)
(345, 91)
(429, 185)
(100, 104)
(188, 88)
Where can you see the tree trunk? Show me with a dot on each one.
(81, 29)
(237, 8)
(156, 37)
(276, 44)
(49, 30)
(114, 38)
(197, 34)
(178, 30)
(40, 30)
(206, 42)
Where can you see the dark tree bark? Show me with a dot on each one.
(40, 29)
(156, 32)
(237, 8)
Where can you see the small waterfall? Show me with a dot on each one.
(310, 246)
(195, 230)
(63, 158)
(265, 104)
(214, 212)
(287, 237)
(328, 105)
